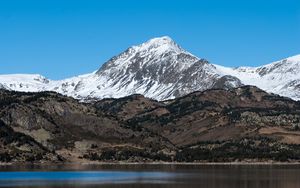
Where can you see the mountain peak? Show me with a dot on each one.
(156, 52)
(160, 45)
(161, 40)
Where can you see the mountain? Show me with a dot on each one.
(217, 125)
(281, 77)
(24, 82)
(158, 69)
(162, 70)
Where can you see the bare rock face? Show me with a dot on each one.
(243, 123)
(227, 82)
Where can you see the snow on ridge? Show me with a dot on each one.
(128, 73)
(160, 45)
(24, 82)
(295, 58)
(280, 77)
(21, 77)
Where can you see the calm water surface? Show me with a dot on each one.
(150, 176)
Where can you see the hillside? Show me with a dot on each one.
(245, 123)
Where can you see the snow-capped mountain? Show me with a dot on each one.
(281, 77)
(24, 82)
(161, 69)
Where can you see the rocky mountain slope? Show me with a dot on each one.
(244, 123)
(161, 69)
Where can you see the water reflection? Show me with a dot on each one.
(144, 176)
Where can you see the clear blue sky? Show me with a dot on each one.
(61, 38)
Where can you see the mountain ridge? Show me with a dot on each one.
(161, 69)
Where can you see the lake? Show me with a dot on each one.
(150, 176)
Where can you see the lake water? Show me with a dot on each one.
(150, 176)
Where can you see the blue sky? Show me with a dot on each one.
(61, 38)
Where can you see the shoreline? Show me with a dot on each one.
(154, 163)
